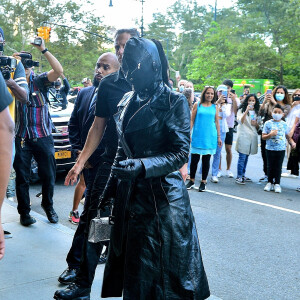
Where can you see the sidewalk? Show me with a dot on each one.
(35, 257)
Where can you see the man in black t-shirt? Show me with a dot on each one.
(111, 90)
(6, 142)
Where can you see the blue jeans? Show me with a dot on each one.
(242, 164)
(217, 156)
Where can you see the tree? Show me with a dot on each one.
(76, 51)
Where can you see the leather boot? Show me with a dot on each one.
(73, 292)
(68, 276)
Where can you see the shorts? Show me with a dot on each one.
(229, 137)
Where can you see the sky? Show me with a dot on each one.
(123, 13)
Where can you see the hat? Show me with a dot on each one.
(2, 32)
(222, 87)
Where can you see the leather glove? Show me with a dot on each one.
(128, 169)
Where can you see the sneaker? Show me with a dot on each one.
(214, 179)
(247, 179)
(190, 185)
(74, 217)
(240, 180)
(202, 186)
(220, 174)
(277, 188)
(298, 189)
(263, 178)
(268, 187)
(229, 174)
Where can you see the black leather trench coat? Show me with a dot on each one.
(154, 252)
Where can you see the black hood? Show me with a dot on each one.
(141, 65)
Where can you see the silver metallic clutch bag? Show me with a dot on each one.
(99, 230)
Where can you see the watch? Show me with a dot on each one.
(44, 51)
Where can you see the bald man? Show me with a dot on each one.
(80, 122)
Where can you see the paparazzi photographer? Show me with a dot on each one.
(60, 93)
(14, 77)
(33, 136)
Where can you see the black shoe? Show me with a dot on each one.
(27, 220)
(102, 259)
(68, 276)
(190, 185)
(202, 186)
(7, 234)
(73, 292)
(51, 214)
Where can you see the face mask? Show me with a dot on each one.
(181, 88)
(277, 117)
(279, 97)
(189, 89)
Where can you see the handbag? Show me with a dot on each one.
(100, 227)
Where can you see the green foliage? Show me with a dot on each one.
(76, 51)
(255, 39)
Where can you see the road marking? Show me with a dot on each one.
(254, 202)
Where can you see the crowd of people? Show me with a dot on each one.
(136, 140)
(275, 120)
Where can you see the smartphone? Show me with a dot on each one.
(177, 74)
(36, 41)
(232, 91)
(269, 91)
(224, 94)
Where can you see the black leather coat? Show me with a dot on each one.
(154, 252)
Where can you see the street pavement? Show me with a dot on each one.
(249, 240)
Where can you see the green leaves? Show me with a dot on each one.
(77, 51)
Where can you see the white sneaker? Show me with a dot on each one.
(214, 179)
(229, 174)
(220, 174)
(268, 187)
(277, 188)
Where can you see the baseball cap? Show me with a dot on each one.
(222, 87)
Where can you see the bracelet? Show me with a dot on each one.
(44, 51)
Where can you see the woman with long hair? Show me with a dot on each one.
(205, 135)
(247, 136)
(154, 249)
(279, 96)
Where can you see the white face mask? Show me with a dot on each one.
(277, 117)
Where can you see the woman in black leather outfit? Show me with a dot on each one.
(154, 252)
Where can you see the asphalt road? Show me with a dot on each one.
(249, 238)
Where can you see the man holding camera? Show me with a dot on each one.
(34, 136)
(61, 92)
(14, 75)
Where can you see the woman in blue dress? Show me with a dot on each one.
(205, 135)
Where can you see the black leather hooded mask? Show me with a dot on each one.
(141, 65)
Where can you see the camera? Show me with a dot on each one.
(36, 41)
(7, 65)
(296, 98)
(27, 61)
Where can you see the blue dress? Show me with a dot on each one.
(204, 134)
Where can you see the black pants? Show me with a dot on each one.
(75, 252)
(274, 162)
(42, 149)
(293, 162)
(92, 251)
(264, 155)
(194, 164)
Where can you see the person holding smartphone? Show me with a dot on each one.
(234, 103)
(247, 136)
(280, 96)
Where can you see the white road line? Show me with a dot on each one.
(254, 202)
